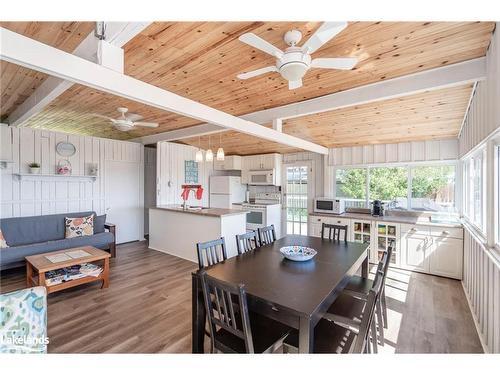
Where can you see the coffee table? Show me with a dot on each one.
(39, 264)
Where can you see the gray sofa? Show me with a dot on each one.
(40, 234)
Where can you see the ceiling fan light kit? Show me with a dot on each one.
(127, 121)
(294, 62)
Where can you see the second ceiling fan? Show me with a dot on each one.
(295, 61)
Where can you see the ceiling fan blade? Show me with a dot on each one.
(133, 117)
(292, 85)
(102, 116)
(324, 33)
(259, 43)
(257, 72)
(344, 63)
(146, 124)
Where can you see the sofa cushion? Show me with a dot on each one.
(12, 255)
(99, 222)
(26, 230)
(79, 226)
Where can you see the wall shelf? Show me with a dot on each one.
(21, 176)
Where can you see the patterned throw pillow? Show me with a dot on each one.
(79, 226)
(3, 243)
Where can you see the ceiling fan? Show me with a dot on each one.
(295, 61)
(127, 121)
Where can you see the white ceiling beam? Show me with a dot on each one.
(117, 34)
(463, 73)
(20, 50)
(278, 124)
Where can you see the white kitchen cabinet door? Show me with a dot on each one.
(446, 257)
(268, 161)
(415, 253)
(232, 162)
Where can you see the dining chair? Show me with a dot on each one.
(236, 330)
(359, 286)
(211, 252)
(267, 235)
(337, 231)
(333, 338)
(343, 311)
(247, 241)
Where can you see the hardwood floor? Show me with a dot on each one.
(147, 309)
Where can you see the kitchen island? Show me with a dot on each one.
(176, 231)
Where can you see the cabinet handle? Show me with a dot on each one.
(445, 232)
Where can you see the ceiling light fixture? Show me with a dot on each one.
(199, 153)
(220, 151)
(209, 155)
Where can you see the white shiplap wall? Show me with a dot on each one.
(37, 195)
(170, 172)
(481, 263)
(483, 116)
(394, 153)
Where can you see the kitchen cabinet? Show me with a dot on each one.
(316, 223)
(387, 234)
(362, 231)
(434, 250)
(232, 162)
(261, 162)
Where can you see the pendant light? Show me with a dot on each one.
(199, 153)
(209, 155)
(220, 151)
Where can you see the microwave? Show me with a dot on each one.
(329, 205)
(262, 177)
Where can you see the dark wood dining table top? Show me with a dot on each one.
(300, 287)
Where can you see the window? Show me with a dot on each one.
(390, 185)
(351, 186)
(424, 188)
(475, 189)
(433, 188)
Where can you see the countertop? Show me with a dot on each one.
(215, 212)
(391, 218)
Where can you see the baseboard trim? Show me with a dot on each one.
(174, 255)
(476, 322)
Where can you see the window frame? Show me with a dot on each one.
(469, 204)
(408, 166)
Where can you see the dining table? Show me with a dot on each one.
(294, 293)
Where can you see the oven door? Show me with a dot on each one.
(256, 218)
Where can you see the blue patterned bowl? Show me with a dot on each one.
(298, 253)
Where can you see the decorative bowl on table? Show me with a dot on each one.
(298, 253)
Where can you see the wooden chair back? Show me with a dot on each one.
(362, 343)
(211, 252)
(247, 241)
(227, 309)
(336, 230)
(267, 235)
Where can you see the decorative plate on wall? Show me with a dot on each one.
(65, 149)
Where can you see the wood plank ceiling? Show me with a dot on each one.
(430, 115)
(200, 60)
(18, 83)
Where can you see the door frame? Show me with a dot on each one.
(310, 189)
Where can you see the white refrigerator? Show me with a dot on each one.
(226, 190)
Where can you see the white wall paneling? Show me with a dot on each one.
(482, 286)
(48, 195)
(394, 153)
(149, 183)
(483, 116)
(170, 173)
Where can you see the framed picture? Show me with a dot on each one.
(190, 172)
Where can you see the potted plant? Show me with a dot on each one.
(34, 167)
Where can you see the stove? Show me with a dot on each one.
(266, 210)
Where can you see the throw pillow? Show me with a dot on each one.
(3, 243)
(79, 226)
(99, 222)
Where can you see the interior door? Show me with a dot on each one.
(297, 194)
(124, 205)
